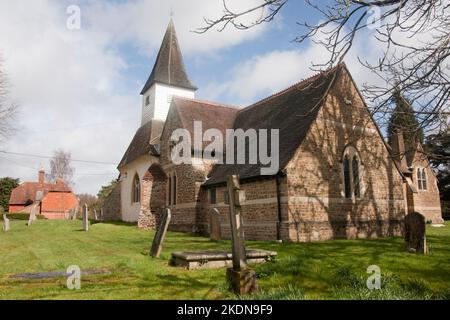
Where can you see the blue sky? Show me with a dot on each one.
(79, 89)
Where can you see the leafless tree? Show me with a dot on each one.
(60, 167)
(413, 37)
(7, 109)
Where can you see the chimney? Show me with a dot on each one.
(398, 148)
(41, 176)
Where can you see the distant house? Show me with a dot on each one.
(54, 199)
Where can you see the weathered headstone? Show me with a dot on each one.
(215, 229)
(415, 237)
(242, 280)
(160, 234)
(33, 212)
(5, 220)
(85, 218)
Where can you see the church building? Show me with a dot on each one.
(337, 177)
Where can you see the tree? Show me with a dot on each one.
(88, 199)
(60, 167)
(105, 191)
(404, 120)
(438, 150)
(413, 38)
(7, 109)
(6, 186)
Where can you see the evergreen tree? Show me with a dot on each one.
(6, 186)
(438, 150)
(404, 120)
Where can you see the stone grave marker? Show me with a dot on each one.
(415, 237)
(5, 220)
(242, 280)
(32, 217)
(215, 232)
(86, 218)
(6, 226)
(160, 234)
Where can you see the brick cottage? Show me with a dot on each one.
(54, 200)
(337, 177)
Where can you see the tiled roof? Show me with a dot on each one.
(26, 192)
(292, 111)
(212, 115)
(141, 143)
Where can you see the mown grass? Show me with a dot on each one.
(323, 270)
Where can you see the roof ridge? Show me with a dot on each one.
(295, 85)
(212, 103)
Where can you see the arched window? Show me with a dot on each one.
(355, 167)
(172, 190)
(347, 179)
(352, 173)
(421, 179)
(136, 189)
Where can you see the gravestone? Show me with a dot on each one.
(415, 237)
(160, 234)
(5, 223)
(86, 218)
(5, 220)
(215, 229)
(73, 214)
(32, 217)
(242, 280)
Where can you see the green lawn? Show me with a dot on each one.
(324, 270)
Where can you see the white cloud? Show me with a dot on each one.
(144, 22)
(70, 85)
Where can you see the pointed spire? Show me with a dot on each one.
(169, 66)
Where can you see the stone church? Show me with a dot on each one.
(337, 176)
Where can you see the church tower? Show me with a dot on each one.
(168, 79)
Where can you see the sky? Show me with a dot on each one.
(78, 90)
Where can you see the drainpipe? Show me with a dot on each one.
(278, 183)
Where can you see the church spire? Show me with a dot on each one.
(169, 66)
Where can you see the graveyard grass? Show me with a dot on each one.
(323, 270)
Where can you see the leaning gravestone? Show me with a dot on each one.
(32, 217)
(160, 234)
(86, 218)
(215, 232)
(415, 237)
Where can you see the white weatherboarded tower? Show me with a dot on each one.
(168, 79)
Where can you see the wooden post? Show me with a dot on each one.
(242, 280)
(215, 232)
(237, 230)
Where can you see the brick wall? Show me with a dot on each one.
(427, 202)
(318, 209)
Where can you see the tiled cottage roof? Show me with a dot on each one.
(26, 192)
(169, 66)
(292, 111)
(142, 142)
